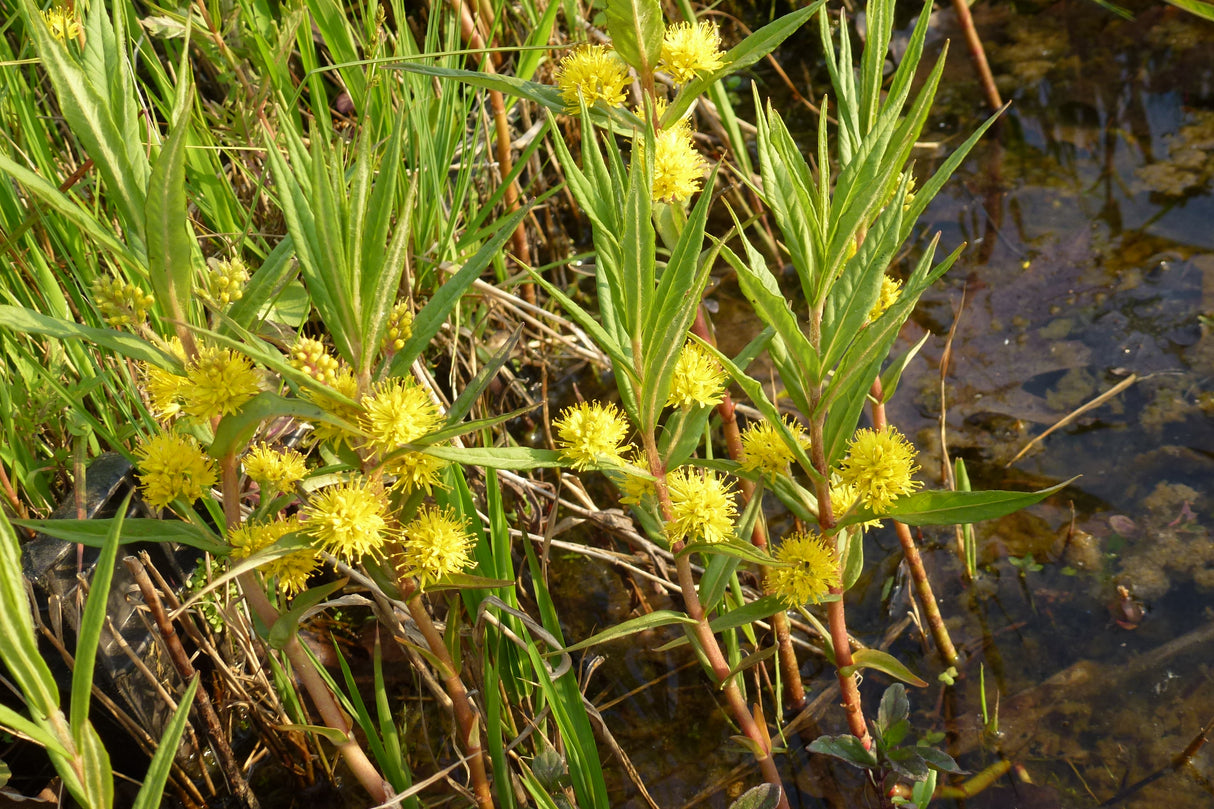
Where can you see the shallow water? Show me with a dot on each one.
(1090, 225)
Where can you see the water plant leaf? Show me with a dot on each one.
(734, 547)
(91, 624)
(764, 796)
(653, 620)
(499, 457)
(636, 28)
(894, 708)
(938, 759)
(171, 246)
(957, 508)
(287, 624)
(161, 765)
(27, 321)
(884, 662)
(236, 429)
(94, 532)
(907, 762)
(845, 747)
(1196, 7)
(468, 581)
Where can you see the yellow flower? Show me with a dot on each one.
(590, 433)
(698, 379)
(63, 23)
(701, 505)
(689, 50)
(891, 288)
(344, 383)
(224, 281)
(809, 569)
(415, 471)
(880, 465)
(843, 497)
(173, 466)
(397, 413)
(593, 73)
(400, 327)
(292, 570)
(218, 382)
(678, 168)
(121, 303)
(436, 543)
(311, 357)
(349, 520)
(273, 469)
(764, 451)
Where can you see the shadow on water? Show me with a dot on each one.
(1090, 224)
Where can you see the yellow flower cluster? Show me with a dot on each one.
(349, 520)
(275, 470)
(701, 504)
(398, 412)
(591, 73)
(891, 289)
(880, 466)
(400, 327)
(121, 303)
(764, 450)
(589, 433)
(344, 383)
(436, 543)
(311, 357)
(807, 570)
(63, 23)
(690, 50)
(218, 382)
(678, 169)
(292, 570)
(173, 466)
(698, 379)
(224, 281)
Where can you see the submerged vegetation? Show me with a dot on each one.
(319, 274)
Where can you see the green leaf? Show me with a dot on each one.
(908, 763)
(1197, 8)
(467, 581)
(94, 532)
(884, 662)
(653, 620)
(235, 430)
(91, 624)
(27, 321)
(846, 747)
(287, 624)
(636, 28)
(758, 610)
(958, 508)
(170, 244)
(733, 547)
(894, 707)
(764, 796)
(938, 759)
(853, 557)
(157, 776)
(331, 735)
(892, 374)
(499, 457)
(11, 720)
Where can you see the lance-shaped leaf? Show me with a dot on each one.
(636, 29)
(956, 508)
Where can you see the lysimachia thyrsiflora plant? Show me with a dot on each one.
(842, 223)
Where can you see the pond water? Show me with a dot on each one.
(1090, 225)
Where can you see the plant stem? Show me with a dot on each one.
(465, 714)
(794, 689)
(978, 54)
(910, 551)
(837, 620)
(330, 712)
(707, 640)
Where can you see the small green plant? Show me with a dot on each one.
(892, 757)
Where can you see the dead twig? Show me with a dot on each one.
(1076, 413)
